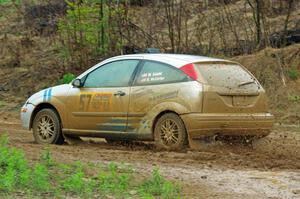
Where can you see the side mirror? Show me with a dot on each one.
(77, 83)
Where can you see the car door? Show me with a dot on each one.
(157, 84)
(101, 104)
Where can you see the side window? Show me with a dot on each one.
(113, 74)
(159, 73)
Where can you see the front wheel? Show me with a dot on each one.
(170, 133)
(47, 127)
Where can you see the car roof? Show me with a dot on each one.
(177, 60)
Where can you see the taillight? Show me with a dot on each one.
(190, 71)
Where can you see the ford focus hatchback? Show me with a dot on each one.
(165, 98)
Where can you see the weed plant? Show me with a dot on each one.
(49, 179)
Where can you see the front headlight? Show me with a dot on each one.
(24, 109)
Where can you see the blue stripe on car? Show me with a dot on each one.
(45, 95)
(49, 94)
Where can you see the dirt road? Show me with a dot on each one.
(268, 169)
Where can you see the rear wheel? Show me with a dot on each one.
(47, 127)
(170, 133)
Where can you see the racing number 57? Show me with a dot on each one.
(84, 101)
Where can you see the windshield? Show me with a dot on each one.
(225, 75)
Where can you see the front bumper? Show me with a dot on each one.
(26, 112)
(201, 124)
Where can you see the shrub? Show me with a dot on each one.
(9, 1)
(293, 74)
(67, 78)
(294, 98)
(5, 1)
(2, 103)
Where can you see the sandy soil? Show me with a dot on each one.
(270, 168)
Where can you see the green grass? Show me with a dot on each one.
(159, 186)
(47, 178)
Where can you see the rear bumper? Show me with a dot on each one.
(200, 124)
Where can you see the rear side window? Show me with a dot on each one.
(225, 75)
(159, 73)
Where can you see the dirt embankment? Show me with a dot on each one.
(29, 63)
(268, 168)
(274, 68)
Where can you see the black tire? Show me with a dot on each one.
(47, 127)
(174, 136)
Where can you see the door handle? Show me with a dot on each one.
(120, 93)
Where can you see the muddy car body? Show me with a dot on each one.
(163, 97)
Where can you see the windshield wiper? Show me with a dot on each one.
(246, 83)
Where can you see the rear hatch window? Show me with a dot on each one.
(226, 75)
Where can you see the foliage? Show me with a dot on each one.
(293, 74)
(14, 170)
(90, 29)
(113, 182)
(40, 178)
(46, 157)
(294, 98)
(67, 78)
(158, 186)
(58, 180)
(2, 103)
(10, 1)
(5, 1)
(75, 183)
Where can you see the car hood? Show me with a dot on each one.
(46, 94)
